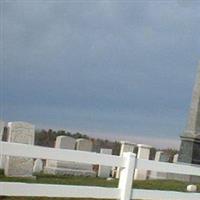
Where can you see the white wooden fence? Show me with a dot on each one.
(128, 162)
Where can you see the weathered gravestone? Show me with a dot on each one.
(66, 167)
(143, 153)
(85, 145)
(175, 158)
(20, 132)
(104, 171)
(38, 166)
(2, 158)
(154, 174)
(126, 146)
(163, 157)
(61, 167)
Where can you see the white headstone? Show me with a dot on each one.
(2, 158)
(159, 157)
(38, 166)
(20, 132)
(69, 168)
(175, 159)
(143, 153)
(84, 145)
(125, 147)
(62, 142)
(104, 171)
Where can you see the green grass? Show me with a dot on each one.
(71, 180)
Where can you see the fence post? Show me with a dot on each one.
(126, 176)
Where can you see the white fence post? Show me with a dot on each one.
(126, 176)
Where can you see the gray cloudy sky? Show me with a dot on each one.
(113, 69)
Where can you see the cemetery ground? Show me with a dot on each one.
(91, 181)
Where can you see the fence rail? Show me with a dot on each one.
(128, 162)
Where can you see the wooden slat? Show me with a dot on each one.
(32, 151)
(50, 190)
(163, 195)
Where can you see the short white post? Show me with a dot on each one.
(126, 177)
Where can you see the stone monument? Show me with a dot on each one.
(190, 139)
(20, 132)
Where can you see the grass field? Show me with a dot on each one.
(70, 180)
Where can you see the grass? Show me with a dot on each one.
(71, 180)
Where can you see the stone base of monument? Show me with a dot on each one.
(68, 171)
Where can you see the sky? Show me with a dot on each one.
(120, 70)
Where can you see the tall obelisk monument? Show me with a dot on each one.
(190, 140)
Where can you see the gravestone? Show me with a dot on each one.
(143, 153)
(155, 174)
(175, 158)
(20, 132)
(66, 167)
(38, 166)
(61, 167)
(84, 145)
(104, 171)
(125, 147)
(2, 157)
(163, 158)
(62, 142)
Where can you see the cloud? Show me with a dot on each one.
(101, 66)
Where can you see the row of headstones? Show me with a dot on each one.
(144, 153)
(23, 132)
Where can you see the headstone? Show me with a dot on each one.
(155, 174)
(38, 166)
(143, 153)
(175, 159)
(163, 158)
(20, 132)
(104, 171)
(66, 167)
(190, 140)
(62, 142)
(84, 145)
(2, 158)
(125, 147)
